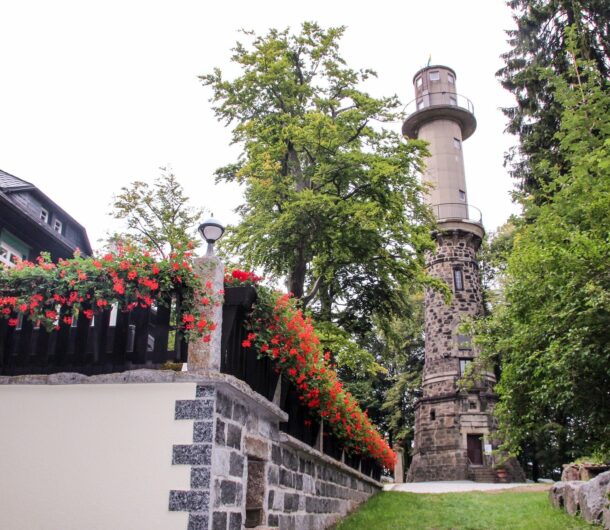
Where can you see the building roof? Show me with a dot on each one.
(11, 184)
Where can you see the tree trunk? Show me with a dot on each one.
(295, 169)
(325, 303)
(296, 278)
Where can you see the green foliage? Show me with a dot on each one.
(493, 257)
(332, 202)
(157, 217)
(473, 511)
(346, 352)
(552, 331)
(390, 395)
(596, 458)
(539, 45)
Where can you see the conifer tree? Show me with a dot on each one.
(538, 44)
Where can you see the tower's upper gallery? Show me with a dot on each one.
(436, 97)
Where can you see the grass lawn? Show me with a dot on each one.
(461, 511)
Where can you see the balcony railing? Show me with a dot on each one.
(457, 211)
(432, 99)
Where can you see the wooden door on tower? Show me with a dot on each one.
(475, 449)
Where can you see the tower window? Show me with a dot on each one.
(464, 342)
(458, 279)
(432, 415)
(435, 76)
(44, 215)
(419, 81)
(472, 405)
(57, 226)
(457, 144)
(464, 365)
(420, 103)
(450, 79)
(462, 195)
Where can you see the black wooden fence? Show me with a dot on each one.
(141, 338)
(261, 375)
(236, 360)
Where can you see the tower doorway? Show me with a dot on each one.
(475, 449)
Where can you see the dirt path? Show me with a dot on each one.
(529, 487)
(463, 486)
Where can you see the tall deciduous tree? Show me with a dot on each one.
(158, 217)
(537, 44)
(552, 333)
(332, 201)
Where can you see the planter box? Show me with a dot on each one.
(240, 296)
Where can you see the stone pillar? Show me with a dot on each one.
(399, 469)
(205, 356)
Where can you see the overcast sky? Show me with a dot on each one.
(94, 95)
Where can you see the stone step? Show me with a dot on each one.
(483, 474)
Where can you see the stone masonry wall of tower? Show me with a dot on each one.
(454, 425)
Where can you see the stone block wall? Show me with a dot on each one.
(167, 450)
(453, 251)
(245, 472)
(590, 500)
(446, 414)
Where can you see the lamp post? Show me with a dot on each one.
(211, 230)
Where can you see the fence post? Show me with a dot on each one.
(399, 469)
(205, 356)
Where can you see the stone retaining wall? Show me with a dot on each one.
(263, 477)
(236, 468)
(231, 467)
(589, 499)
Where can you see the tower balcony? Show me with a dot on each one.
(439, 105)
(459, 216)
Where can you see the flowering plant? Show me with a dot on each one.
(279, 330)
(239, 278)
(53, 294)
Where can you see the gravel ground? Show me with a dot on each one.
(462, 485)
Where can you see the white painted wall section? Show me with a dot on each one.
(91, 457)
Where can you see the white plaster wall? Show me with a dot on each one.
(91, 457)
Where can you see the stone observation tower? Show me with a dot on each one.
(454, 423)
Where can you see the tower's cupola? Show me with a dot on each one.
(444, 118)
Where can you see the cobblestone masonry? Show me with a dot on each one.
(245, 471)
(446, 415)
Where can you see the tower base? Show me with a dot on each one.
(438, 465)
(453, 465)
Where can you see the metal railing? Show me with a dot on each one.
(432, 99)
(457, 210)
